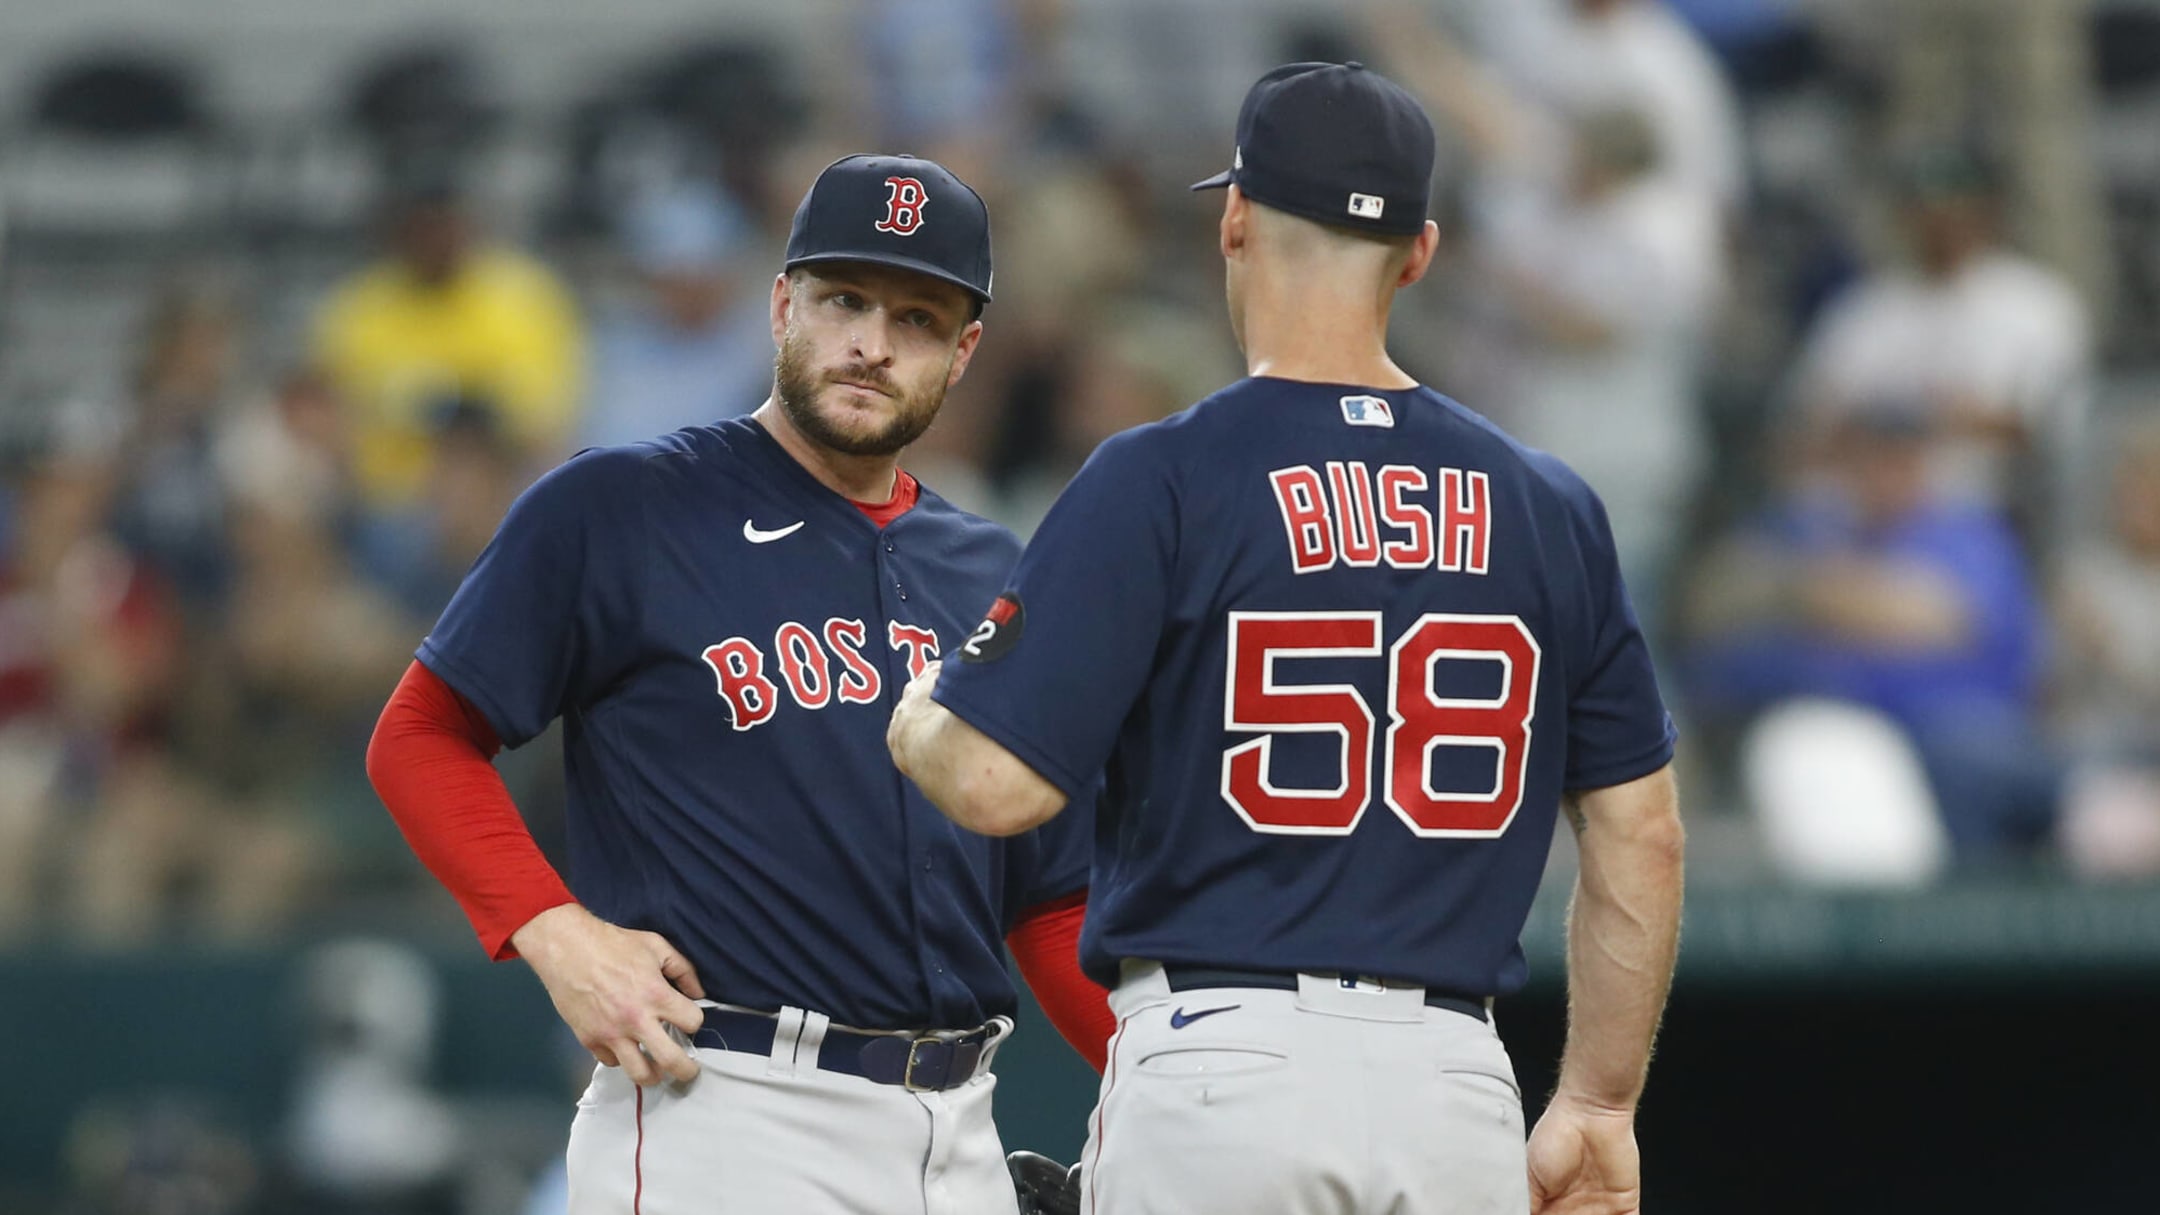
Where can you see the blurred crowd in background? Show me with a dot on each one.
(1848, 308)
(1842, 308)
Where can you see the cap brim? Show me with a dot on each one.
(896, 262)
(1216, 182)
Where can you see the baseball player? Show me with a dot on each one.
(1345, 652)
(786, 962)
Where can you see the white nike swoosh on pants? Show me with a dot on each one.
(754, 535)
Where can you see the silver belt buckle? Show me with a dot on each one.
(907, 1077)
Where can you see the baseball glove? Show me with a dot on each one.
(1045, 1186)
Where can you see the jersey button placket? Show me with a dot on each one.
(887, 574)
(920, 890)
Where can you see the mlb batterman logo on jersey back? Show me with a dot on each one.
(1368, 411)
(904, 203)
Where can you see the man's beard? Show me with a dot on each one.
(798, 387)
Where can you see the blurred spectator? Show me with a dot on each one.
(1610, 275)
(117, 666)
(422, 553)
(2018, 73)
(31, 757)
(148, 446)
(46, 518)
(1878, 592)
(445, 314)
(123, 568)
(1147, 363)
(1589, 56)
(697, 346)
(367, 1134)
(2111, 675)
(945, 75)
(151, 832)
(1994, 346)
(290, 447)
(161, 1154)
(1597, 270)
(1071, 253)
(292, 684)
(1733, 26)
(1072, 241)
(98, 650)
(475, 481)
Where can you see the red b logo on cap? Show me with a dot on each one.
(903, 206)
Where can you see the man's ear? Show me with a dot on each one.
(1236, 226)
(1422, 251)
(783, 301)
(970, 337)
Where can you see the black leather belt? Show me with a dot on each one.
(926, 1063)
(1189, 978)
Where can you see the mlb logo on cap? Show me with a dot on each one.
(1368, 411)
(1365, 206)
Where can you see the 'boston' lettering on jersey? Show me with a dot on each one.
(806, 666)
(1338, 519)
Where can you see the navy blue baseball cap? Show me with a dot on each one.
(895, 211)
(1335, 143)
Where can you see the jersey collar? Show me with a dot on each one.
(833, 504)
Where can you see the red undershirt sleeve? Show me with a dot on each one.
(431, 761)
(1046, 944)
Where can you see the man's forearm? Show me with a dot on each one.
(1623, 934)
(971, 778)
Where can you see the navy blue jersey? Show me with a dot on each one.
(724, 639)
(1339, 653)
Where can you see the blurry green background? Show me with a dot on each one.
(1981, 1048)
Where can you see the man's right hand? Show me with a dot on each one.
(618, 990)
(1583, 1160)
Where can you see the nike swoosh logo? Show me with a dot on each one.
(756, 535)
(1180, 1019)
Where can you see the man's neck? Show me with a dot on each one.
(856, 478)
(1293, 332)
